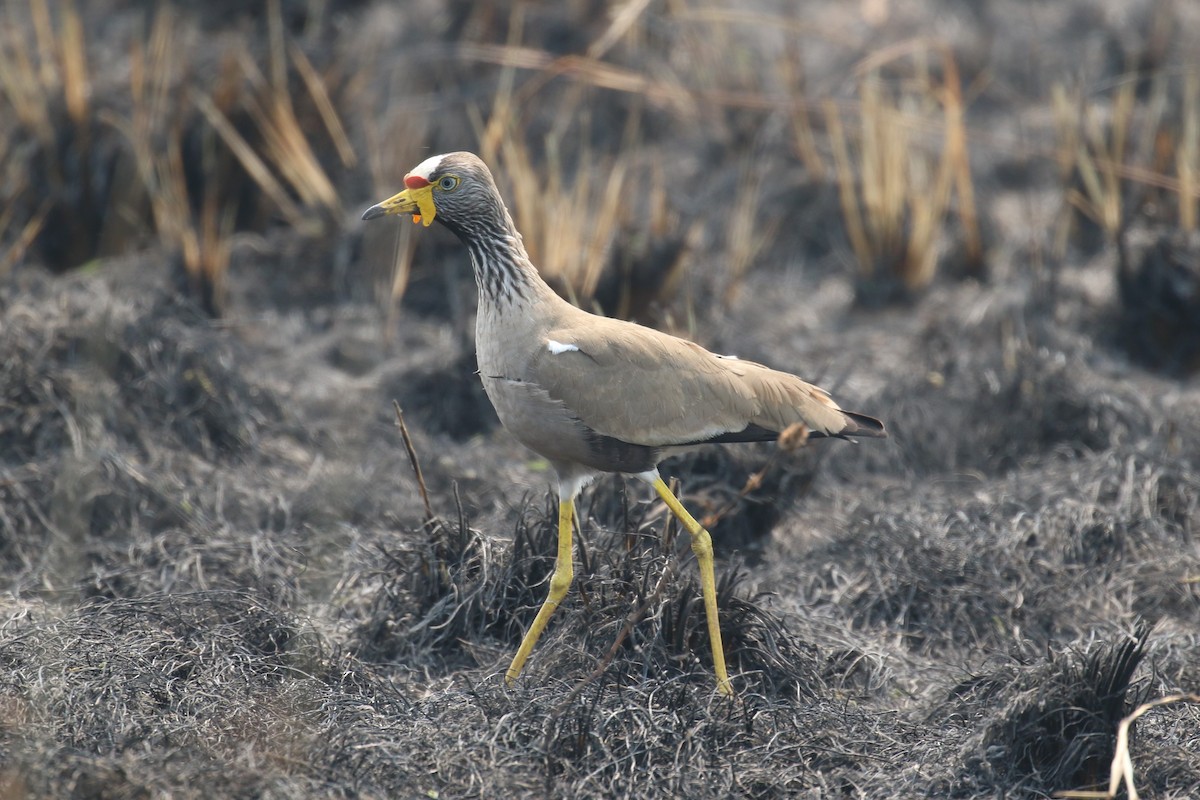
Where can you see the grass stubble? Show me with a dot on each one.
(194, 611)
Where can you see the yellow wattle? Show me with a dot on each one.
(423, 197)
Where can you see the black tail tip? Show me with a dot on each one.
(863, 426)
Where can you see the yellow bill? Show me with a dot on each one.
(417, 201)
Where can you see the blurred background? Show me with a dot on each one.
(639, 143)
(221, 577)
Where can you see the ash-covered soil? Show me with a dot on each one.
(221, 580)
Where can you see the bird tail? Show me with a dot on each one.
(863, 426)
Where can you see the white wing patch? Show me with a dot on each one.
(558, 348)
(727, 358)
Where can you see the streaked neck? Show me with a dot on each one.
(503, 272)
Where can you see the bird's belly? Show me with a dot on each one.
(535, 419)
(547, 427)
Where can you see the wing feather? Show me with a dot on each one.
(650, 388)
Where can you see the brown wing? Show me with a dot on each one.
(646, 387)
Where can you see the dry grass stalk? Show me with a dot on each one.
(715, 16)
(623, 20)
(502, 115)
(401, 272)
(1094, 156)
(413, 461)
(1122, 766)
(636, 614)
(320, 95)
(895, 195)
(250, 160)
(851, 214)
(744, 238)
(553, 210)
(28, 81)
(287, 159)
(155, 132)
(391, 285)
(804, 141)
(287, 147)
(1121, 772)
(53, 64)
(891, 206)
(592, 72)
(1130, 147)
(1187, 154)
(958, 160)
(46, 41)
(391, 150)
(555, 213)
(73, 55)
(589, 201)
(29, 232)
(789, 95)
(28, 75)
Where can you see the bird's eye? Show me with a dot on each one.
(448, 183)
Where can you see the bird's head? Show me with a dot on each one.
(448, 187)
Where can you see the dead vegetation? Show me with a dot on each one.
(222, 580)
(165, 156)
(1130, 164)
(897, 193)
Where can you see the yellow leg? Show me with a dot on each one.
(702, 547)
(560, 581)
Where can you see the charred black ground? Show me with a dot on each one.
(220, 577)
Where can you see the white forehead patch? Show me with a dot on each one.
(558, 348)
(427, 167)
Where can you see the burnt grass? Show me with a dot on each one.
(221, 581)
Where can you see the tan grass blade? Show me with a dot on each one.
(23, 81)
(249, 159)
(29, 232)
(1187, 157)
(502, 116)
(745, 239)
(959, 159)
(46, 41)
(1121, 772)
(851, 212)
(622, 21)
(790, 68)
(320, 95)
(741, 16)
(73, 53)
